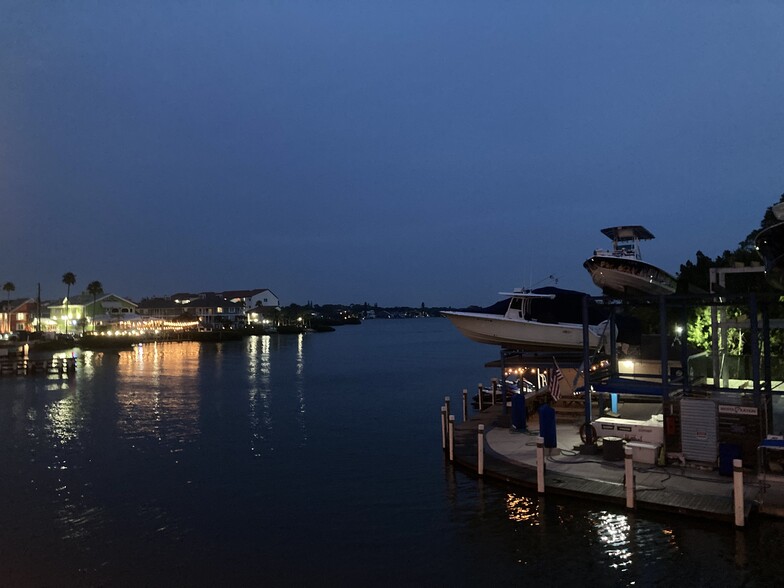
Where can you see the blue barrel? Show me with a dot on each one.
(727, 453)
(518, 412)
(547, 425)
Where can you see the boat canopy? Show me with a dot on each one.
(526, 294)
(627, 233)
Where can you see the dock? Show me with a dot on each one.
(510, 457)
(26, 366)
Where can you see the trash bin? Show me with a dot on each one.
(518, 412)
(612, 449)
(727, 453)
(547, 425)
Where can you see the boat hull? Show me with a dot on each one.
(521, 334)
(623, 276)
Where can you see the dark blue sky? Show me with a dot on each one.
(393, 152)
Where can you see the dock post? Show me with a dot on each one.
(443, 428)
(451, 437)
(480, 451)
(629, 471)
(446, 417)
(737, 488)
(465, 405)
(479, 397)
(494, 386)
(540, 465)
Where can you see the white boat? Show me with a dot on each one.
(518, 329)
(620, 271)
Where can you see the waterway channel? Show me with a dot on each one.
(308, 459)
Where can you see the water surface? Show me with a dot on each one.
(306, 460)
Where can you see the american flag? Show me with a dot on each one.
(555, 382)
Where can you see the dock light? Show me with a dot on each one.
(678, 329)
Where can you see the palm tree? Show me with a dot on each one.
(8, 287)
(69, 279)
(94, 288)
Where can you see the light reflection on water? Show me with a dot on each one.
(613, 531)
(202, 464)
(259, 377)
(522, 509)
(157, 392)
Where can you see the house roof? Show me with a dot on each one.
(230, 294)
(15, 303)
(158, 303)
(86, 298)
(211, 300)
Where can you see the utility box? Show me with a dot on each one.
(644, 452)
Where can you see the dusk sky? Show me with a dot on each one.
(394, 152)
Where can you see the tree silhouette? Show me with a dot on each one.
(69, 279)
(8, 287)
(94, 288)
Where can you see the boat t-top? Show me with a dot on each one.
(770, 246)
(522, 327)
(621, 272)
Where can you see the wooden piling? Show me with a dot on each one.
(480, 451)
(443, 428)
(540, 465)
(737, 489)
(451, 437)
(629, 472)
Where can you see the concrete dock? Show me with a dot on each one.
(510, 456)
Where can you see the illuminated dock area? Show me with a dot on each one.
(510, 456)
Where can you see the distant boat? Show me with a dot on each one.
(621, 271)
(770, 247)
(520, 327)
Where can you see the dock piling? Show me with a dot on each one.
(443, 428)
(480, 451)
(451, 437)
(494, 388)
(629, 474)
(737, 489)
(446, 417)
(540, 465)
(479, 397)
(465, 405)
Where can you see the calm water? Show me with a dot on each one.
(306, 460)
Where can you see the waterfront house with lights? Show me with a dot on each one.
(20, 315)
(161, 309)
(260, 305)
(165, 314)
(260, 298)
(82, 313)
(214, 311)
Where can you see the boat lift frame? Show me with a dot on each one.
(761, 377)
